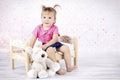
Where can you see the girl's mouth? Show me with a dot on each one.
(46, 23)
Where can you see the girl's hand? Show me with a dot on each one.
(43, 47)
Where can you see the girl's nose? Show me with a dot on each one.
(47, 19)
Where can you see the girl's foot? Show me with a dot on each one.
(61, 72)
(71, 68)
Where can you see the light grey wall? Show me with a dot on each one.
(95, 22)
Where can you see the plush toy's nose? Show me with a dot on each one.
(43, 55)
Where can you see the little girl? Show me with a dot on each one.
(48, 33)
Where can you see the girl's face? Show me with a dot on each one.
(48, 19)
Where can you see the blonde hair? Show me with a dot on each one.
(50, 9)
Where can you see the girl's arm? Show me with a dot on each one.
(52, 41)
(32, 41)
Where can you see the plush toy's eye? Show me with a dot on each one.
(43, 55)
(48, 68)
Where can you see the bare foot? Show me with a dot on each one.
(61, 72)
(71, 68)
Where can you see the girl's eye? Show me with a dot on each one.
(49, 17)
(44, 17)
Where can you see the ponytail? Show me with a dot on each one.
(56, 5)
(43, 7)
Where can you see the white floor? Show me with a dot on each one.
(103, 66)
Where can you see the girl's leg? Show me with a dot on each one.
(67, 57)
(51, 55)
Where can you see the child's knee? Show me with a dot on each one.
(65, 48)
(51, 50)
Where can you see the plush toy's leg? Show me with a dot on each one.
(51, 73)
(56, 66)
(32, 74)
(43, 74)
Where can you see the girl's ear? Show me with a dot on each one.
(55, 20)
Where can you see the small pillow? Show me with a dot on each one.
(65, 39)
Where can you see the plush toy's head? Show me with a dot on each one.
(39, 55)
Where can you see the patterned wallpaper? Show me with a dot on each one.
(95, 22)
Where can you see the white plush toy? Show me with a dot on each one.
(42, 67)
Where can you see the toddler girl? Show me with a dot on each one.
(48, 34)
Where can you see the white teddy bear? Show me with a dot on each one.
(42, 67)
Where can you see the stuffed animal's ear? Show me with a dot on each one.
(33, 56)
(52, 65)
